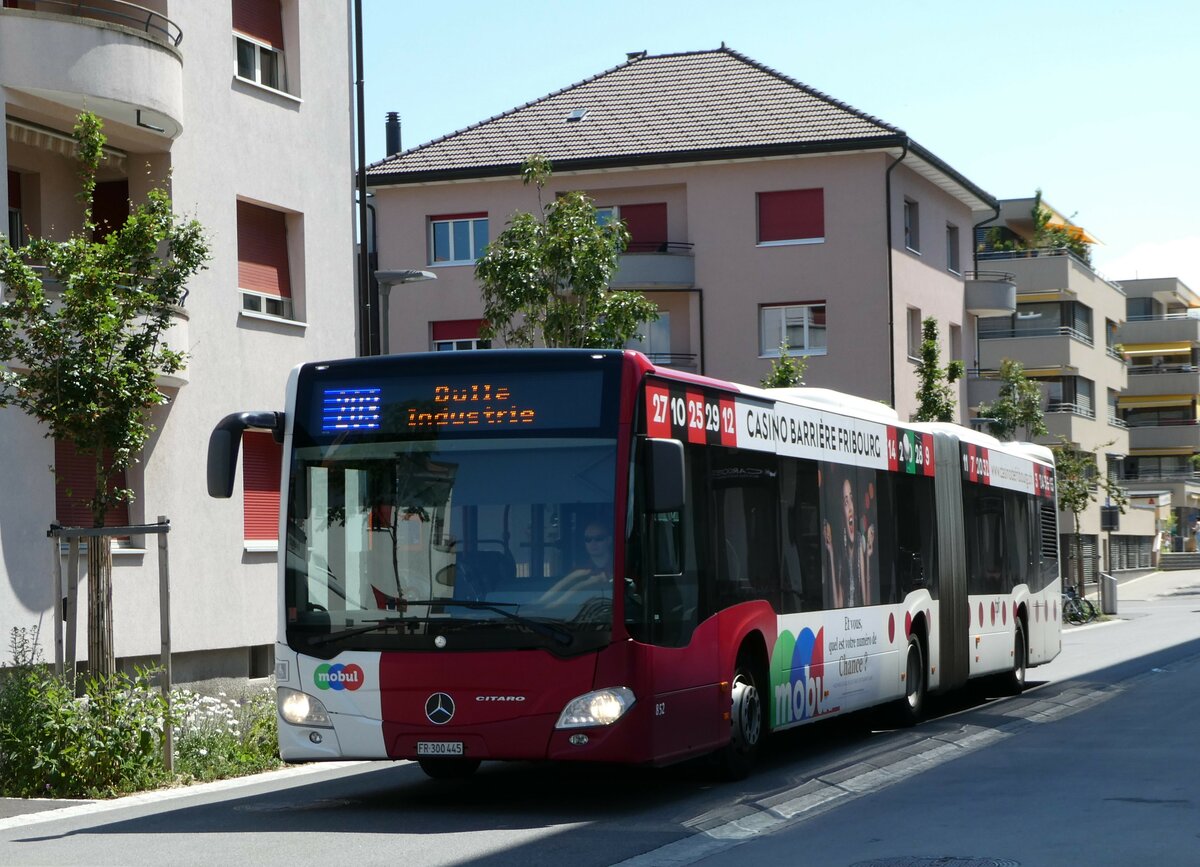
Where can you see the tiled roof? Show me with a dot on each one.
(664, 108)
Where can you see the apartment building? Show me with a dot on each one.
(1160, 338)
(1067, 332)
(760, 210)
(242, 109)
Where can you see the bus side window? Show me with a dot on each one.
(801, 542)
(746, 527)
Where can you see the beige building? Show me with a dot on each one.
(242, 108)
(1067, 333)
(759, 210)
(1161, 405)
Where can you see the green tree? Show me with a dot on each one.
(787, 371)
(935, 396)
(81, 333)
(1018, 406)
(1079, 483)
(1045, 236)
(546, 275)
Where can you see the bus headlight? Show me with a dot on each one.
(301, 709)
(602, 707)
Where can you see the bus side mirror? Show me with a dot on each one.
(226, 439)
(664, 475)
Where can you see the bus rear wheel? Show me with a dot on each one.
(1014, 681)
(449, 769)
(910, 709)
(747, 722)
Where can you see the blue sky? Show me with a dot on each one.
(1095, 103)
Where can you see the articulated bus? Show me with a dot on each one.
(577, 555)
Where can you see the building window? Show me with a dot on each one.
(258, 42)
(457, 335)
(914, 332)
(655, 341)
(457, 239)
(261, 460)
(912, 225)
(952, 251)
(956, 351)
(646, 224)
(791, 217)
(16, 234)
(802, 326)
(264, 274)
(75, 484)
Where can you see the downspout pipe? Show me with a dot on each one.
(366, 313)
(887, 183)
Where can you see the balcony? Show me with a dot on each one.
(175, 338)
(1045, 270)
(1160, 437)
(117, 59)
(1037, 348)
(667, 266)
(991, 293)
(1147, 380)
(1165, 328)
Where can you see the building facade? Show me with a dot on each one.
(1161, 405)
(212, 101)
(1066, 331)
(760, 211)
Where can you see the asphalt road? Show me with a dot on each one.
(1095, 764)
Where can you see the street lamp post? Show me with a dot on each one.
(386, 280)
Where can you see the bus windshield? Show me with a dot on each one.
(470, 543)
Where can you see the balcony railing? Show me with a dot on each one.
(1080, 409)
(678, 247)
(1147, 369)
(1160, 476)
(154, 24)
(1060, 331)
(1115, 420)
(1193, 313)
(1164, 422)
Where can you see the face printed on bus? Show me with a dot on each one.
(848, 506)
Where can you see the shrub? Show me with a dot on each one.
(217, 737)
(106, 741)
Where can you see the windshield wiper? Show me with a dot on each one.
(558, 633)
(360, 630)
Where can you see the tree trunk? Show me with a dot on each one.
(101, 662)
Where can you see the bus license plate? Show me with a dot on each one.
(439, 748)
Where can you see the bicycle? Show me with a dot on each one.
(1076, 609)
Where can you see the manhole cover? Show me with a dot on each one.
(945, 861)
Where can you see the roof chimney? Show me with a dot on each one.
(393, 133)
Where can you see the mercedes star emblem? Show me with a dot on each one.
(439, 708)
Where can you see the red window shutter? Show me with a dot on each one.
(74, 484)
(261, 458)
(791, 215)
(110, 209)
(262, 250)
(478, 215)
(260, 19)
(647, 225)
(14, 190)
(457, 329)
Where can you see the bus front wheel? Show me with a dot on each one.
(449, 769)
(747, 722)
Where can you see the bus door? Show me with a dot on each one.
(665, 607)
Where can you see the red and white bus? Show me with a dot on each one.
(452, 524)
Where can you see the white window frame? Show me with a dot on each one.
(953, 257)
(912, 225)
(915, 330)
(260, 48)
(261, 304)
(16, 231)
(770, 349)
(454, 259)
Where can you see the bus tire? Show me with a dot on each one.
(448, 769)
(1014, 681)
(747, 721)
(909, 709)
